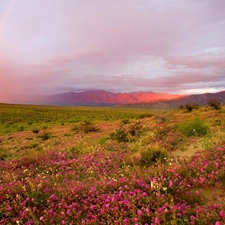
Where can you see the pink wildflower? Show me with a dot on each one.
(192, 217)
(221, 213)
(157, 221)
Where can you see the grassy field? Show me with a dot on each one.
(108, 165)
(22, 117)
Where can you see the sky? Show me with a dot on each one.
(164, 46)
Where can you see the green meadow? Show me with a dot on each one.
(112, 165)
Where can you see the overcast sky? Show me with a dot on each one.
(55, 46)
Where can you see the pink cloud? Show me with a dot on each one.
(198, 61)
(78, 56)
(51, 46)
(174, 83)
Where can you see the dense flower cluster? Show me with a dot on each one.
(99, 188)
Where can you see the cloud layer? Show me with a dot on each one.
(53, 46)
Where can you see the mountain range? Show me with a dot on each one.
(196, 99)
(100, 97)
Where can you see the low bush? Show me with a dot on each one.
(190, 107)
(75, 150)
(181, 107)
(145, 115)
(195, 127)
(151, 156)
(125, 121)
(135, 129)
(102, 140)
(20, 128)
(3, 154)
(120, 135)
(85, 127)
(45, 136)
(163, 131)
(35, 131)
(161, 118)
(215, 103)
(30, 146)
(88, 127)
(172, 140)
(76, 128)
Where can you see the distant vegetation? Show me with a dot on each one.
(18, 118)
(111, 165)
(215, 103)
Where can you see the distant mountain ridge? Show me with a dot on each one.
(100, 97)
(199, 99)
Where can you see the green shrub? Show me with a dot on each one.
(161, 118)
(76, 128)
(30, 146)
(215, 103)
(194, 127)
(102, 140)
(44, 136)
(3, 154)
(221, 111)
(135, 129)
(208, 144)
(85, 127)
(163, 131)
(75, 150)
(190, 107)
(151, 156)
(125, 121)
(88, 127)
(35, 131)
(145, 115)
(20, 128)
(181, 106)
(120, 135)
